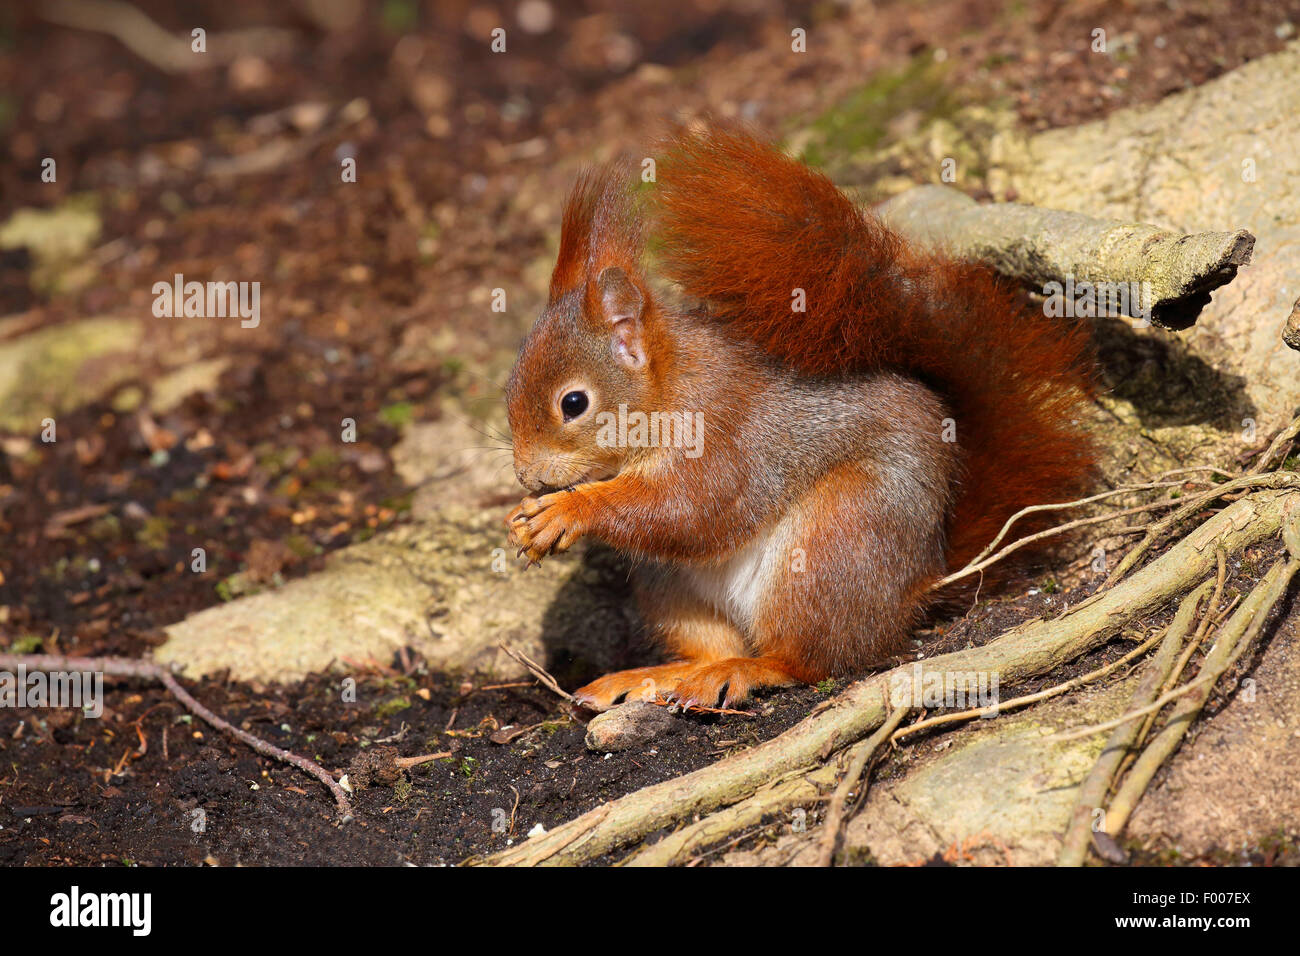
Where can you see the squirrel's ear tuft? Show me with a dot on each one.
(600, 228)
(622, 306)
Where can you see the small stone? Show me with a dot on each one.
(628, 725)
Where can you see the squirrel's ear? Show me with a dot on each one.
(622, 306)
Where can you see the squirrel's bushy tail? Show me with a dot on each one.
(751, 232)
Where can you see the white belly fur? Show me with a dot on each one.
(737, 584)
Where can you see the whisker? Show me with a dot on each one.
(477, 374)
(504, 439)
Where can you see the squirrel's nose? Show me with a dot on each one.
(527, 474)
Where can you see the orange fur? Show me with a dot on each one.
(824, 428)
(599, 228)
(743, 226)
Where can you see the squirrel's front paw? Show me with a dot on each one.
(546, 525)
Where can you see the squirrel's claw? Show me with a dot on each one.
(544, 526)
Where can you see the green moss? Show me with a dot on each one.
(402, 789)
(549, 727)
(301, 545)
(27, 644)
(323, 459)
(399, 16)
(61, 367)
(127, 400)
(397, 414)
(861, 122)
(240, 584)
(153, 533)
(1278, 844)
(275, 460)
(399, 503)
(394, 705)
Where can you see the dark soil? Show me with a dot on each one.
(149, 785)
(79, 791)
(97, 532)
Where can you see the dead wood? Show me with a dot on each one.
(1040, 246)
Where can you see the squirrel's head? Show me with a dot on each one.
(593, 347)
(588, 353)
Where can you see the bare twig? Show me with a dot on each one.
(538, 671)
(1278, 448)
(406, 763)
(1016, 703)
(169, 52)
(132, 667)
(1283, 479)
(1032, 509)
(1019, 543)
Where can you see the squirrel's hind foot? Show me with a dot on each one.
(729, 681)
(640, 683)
(721, 682)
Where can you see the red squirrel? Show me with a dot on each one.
(870, 416)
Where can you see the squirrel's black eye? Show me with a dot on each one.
(573, 404)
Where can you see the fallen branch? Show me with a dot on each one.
(1093, 790)
(1171, 681)
(1235, 638)
(1278, 449)
(1155, 706)
(807, 788)
(1031, 649)
(1037, 246)
(795, 790)
(147, 670)
(859, 759)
